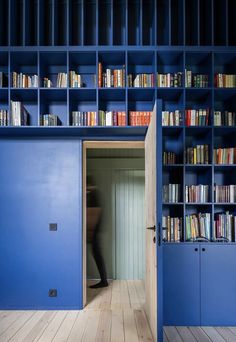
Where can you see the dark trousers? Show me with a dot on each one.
(98, 255)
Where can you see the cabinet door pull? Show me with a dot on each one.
(203, 249)
(196, 249)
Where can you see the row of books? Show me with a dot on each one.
(225, 193)
(226, 118)
(195, 80)
(172, 228)
(169, 158)
(170, 118)
(169, 80)
(4, 117)
(197, 155)
(224, 227)
(225, 155)
(111, 77)
(225, 81)
(171, 193)
(18, 114)
(75, 80)
(3, 80)
(197, 117)
(196, 193)
(137, 118)
(61, 81)
(198, 226)
(141, 80)
(24, 81)
(102, 118)
(50, 120)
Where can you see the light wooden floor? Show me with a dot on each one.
(112, 314)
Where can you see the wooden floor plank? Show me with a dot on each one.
(226, 333)
(144, 332)
(5, 313)
(130, 330)
(90, 331)
(39, 328)
(117, 326)
(124, 295)
(140, 291)
(199, 334)
(26, 329)
(186, 334)
(66, 327)
(106, 295)
(16, 326)
(52, 328)
(9, 320)
(116, 296)
(78, 329)
(233, 329)
(213, 334)
(172, 334)
(165, 339)
(104, 327)
(134, 300)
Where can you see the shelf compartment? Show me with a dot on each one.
(52, 63)
(60, 22)
(90, 23)
(177, 25)
(172, 99)
(134, 22)
(224, 99)
(202, 136)
(84, 64)
(113, 100)
(104, 22)
(31, 22)
(17, 24)
(4, 69)
(82, 100)
(29, 100)
(141, 63)
(119, 22)
(200, 63)
(220, 22)
(24, 62)
(75, 22)
(54, 101)
(173, 177)
(222, 138)
(191, 22)
(163, 22)
(4, 17)
(196, 176)
(170, 62)
(112, 61)
(225, 63)
(148, 22)
(231, 23)
(172, 141)
(205, 22)
(46, 22)
(198, 99)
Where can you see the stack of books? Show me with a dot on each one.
(141, 80)
(224, 227)
(75, 80)
(111, 77)
(172, 228)
(139, 118)
(226, 118)
(169, 80)
(24, 81)
(197, 117)
(197, 155)
(111, 118)
(18, 114)
(50, 120)
(62, 80)
(4, 117)
(171, 118)
(169, 158)
(225, 155)
(195, 80)
(80, 118)
(225, 81)
(225, 193)
(198, 226)
(171, 193)
(196, 193)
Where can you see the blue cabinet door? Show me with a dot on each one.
(40, 183)
(181, 284)
(218, 285)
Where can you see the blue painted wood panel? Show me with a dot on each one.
(181, 289)
(218, 285)
(40, 183)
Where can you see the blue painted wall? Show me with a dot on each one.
(40, 183)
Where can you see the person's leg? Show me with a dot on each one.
(99, 261)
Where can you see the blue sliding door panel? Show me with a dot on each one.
(218, 285)
(181, 273)
(40, 183)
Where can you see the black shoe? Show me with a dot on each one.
(98, 285)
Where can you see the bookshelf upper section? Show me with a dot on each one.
(117, 23)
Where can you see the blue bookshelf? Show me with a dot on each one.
(48, 37)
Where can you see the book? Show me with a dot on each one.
(224, 227)
(171, 118)
(171, 193)
(196, 193)
(172, 228)
(197, 155)
(225, 80)
(169, 158)
(169, 80)
(141, 80)
(24, 81)
(4, 117)
(197, 117)
(198, 226)
(226, 118)
(225, 155)
(75, 80)
(50, 120)
(195, 80)
(18, 114)
(225, 193)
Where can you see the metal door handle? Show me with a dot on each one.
(152, 228)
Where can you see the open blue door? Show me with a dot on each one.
(153, 209)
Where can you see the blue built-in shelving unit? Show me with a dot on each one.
(45, 37)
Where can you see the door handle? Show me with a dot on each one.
(152, 228)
